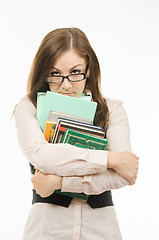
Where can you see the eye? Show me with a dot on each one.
(75, 71)
(54, 73)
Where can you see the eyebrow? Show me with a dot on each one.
(71, 68)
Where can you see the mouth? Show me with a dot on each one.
(66, 94)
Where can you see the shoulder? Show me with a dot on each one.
(113, 104)
(117, 113)
(25, 105)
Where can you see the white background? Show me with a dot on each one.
(125, 37)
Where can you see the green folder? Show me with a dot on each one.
(49, 101)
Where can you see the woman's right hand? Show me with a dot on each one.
(125, 164)
(46, 184)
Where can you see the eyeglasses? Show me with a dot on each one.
(71, 77)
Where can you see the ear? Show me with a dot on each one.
(88, 73)
(86, 88)
(87, 91)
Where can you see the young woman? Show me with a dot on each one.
(66, 59)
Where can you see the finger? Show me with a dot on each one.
(132, 182)
(134, 155)
(32, 179)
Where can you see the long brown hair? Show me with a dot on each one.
(55, 44)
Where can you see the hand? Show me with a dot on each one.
(125, 164)
(45, 185)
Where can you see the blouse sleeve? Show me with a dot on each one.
(118, 135)
(60, 159)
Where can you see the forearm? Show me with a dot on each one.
(45, 184)
(68, 160)
(127, 165)
(60, 159)
(94, 184)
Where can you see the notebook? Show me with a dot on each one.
(66, 104)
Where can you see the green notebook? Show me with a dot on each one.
(49, 101)
(84, 140)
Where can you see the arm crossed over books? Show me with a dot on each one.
(83, 169)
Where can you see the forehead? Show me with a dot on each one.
(69, 59)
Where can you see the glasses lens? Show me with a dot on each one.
(77, 77)
(55, 79)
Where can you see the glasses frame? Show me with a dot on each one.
(63, 77)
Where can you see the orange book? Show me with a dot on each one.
(49, 130)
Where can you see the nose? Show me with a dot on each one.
(66, 84)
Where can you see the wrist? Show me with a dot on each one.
(58, 182)
(111, 160)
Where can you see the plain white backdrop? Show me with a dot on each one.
(125, 37)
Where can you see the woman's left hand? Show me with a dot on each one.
(46, 184)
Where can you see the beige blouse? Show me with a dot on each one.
(83, 170)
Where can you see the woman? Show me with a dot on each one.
(66, 59)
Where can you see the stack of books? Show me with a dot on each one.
(66, 130)
(77, 130)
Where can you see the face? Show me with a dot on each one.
(69, 63)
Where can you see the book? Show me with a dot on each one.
(63, 124)
(66, 104)
(54, 115)
(50, 124)
(49, 130)
(40, 102)
(41, 97)
(82, 124)
(84, 140)
(70, 194)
